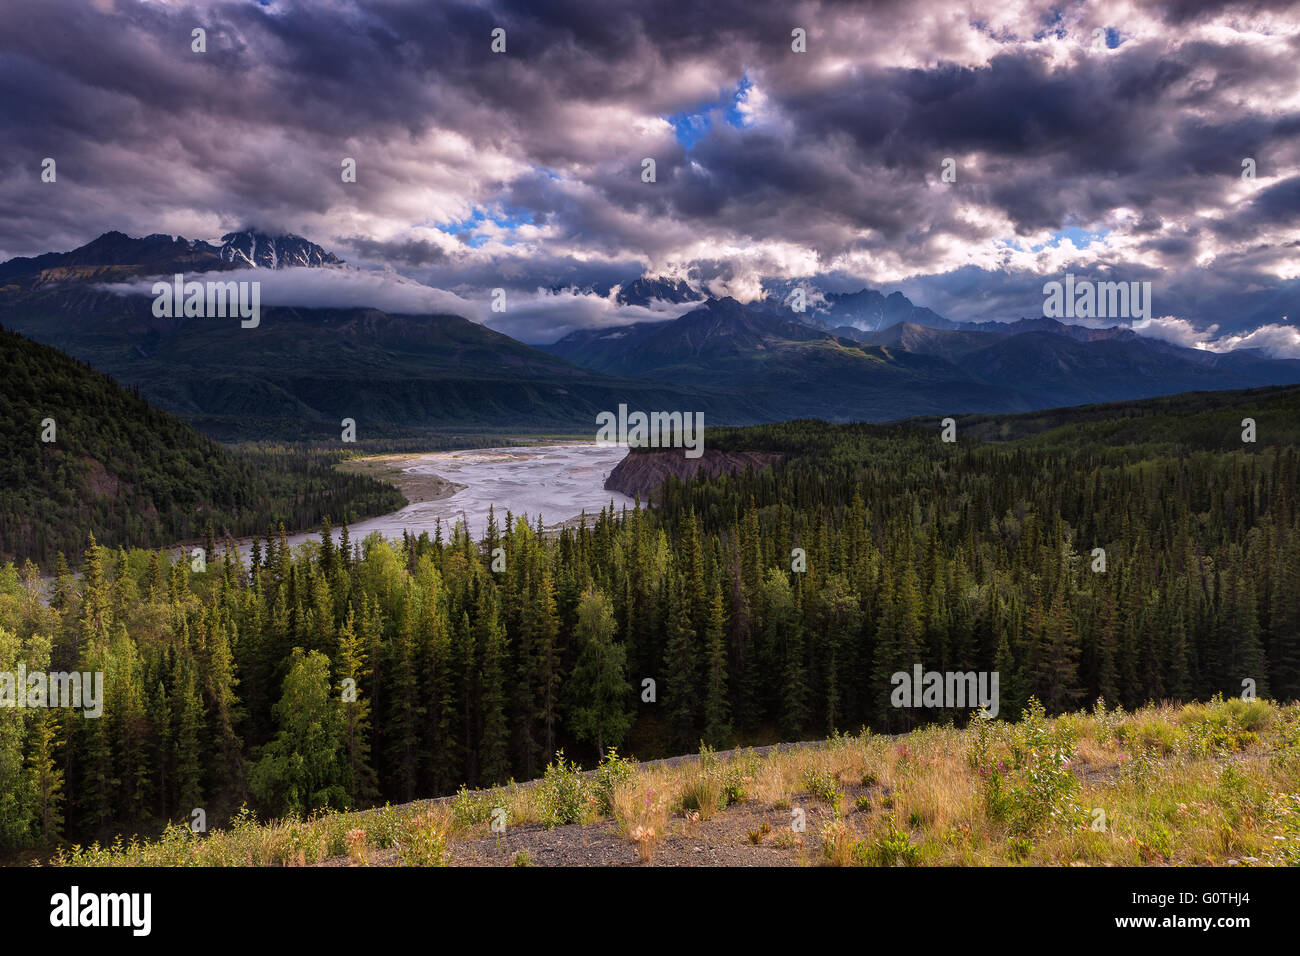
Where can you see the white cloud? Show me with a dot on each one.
(1276, 340)
(335, 288)
(1170, 328)
(1279, 341)
(545, 316)
(532, 316)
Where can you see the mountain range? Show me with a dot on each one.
(853, 356)
(907, 368)
(116, 256)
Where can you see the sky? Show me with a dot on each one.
(1102, 139)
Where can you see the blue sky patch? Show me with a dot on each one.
(468, 228)
(690, 126)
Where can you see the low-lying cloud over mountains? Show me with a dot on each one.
(295, 272)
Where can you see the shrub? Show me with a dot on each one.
(894, 847)
(733, 790)
(821, 784)
(561, 796)
(422, 841)
(382, 826)
(472, 807)
(1107, 722)
(1037, 790)
(1221, 727)
(1142, 770)
(612, 772)
(1285, 850)
(705, 790)
(1242, 800)
(1147, 731)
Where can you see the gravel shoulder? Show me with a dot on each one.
(746, 834)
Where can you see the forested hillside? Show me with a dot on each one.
(234, 685)
(139, 477)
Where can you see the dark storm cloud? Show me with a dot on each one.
(1276, 205)
(522, 170)
(1180, 12)
(398, 252)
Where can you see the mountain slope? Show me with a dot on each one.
(134, 475)
(921, 339)
(117, 256)
(791, 369)
(254, 250)
(1051, 369)
(304, 370)
(868, 310)
(643, 291)
(786, 369)
(701, 342)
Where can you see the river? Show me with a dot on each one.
(557, 482)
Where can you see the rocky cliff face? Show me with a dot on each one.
(642, 472)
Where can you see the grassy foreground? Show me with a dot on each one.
(1201, 784)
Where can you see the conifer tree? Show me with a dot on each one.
(494, 739)
(354, 704)
(717, 710)
(189, 743)
(1056, 665)
(681, 693)
(46, 777)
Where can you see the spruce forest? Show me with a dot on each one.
(136, 475)
(347, 675)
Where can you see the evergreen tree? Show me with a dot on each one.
(494, 740)
(359, 780)
(717, 711)
(46, 777)
(680, 666)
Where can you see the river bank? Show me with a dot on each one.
(415, 486)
